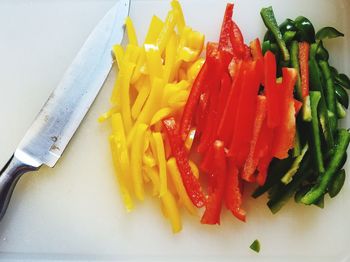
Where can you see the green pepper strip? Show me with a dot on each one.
(294, 60)
(317, 191)
(316, 85)
(315, 97)
(284, 192)
(271, 23)
(330, 90)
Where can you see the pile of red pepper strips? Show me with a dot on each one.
(243, 118)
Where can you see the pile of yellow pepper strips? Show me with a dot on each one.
(154, 81)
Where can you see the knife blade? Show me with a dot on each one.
(59, 118)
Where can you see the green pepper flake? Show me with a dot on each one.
(255, 246)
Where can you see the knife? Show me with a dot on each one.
(57, 121)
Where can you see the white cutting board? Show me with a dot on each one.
(74, 211)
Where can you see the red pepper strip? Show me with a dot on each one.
(212, 54)
(224, 92)
(214, 202)
(201, 112)
(251, 162)
(233, 194)
(207, 161)
(225, 42)
(265, 138)
(285, 132)
(255, 49)
(297, 106)
(192, 101)
(208, 135)
(273, 93)
(226, 123)
(192, 185)
(237, 41)
(246, 111)
(304, 49)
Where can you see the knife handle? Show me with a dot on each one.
(9, 176)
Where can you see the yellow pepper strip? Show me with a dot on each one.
(130, 30)
(190, 138)
(158, 141)
(179, 98)
(126, 197)
(150, 107)
(154, 30)
(180, 188)
(166, 31)
(170, 58)
(180, 20)
(124, 94)
(140, 63)
(195, 41)
(118, 53)
(154, 62)
(132, 53)
(171, 211)
(136, 154)
(140, 100)
(121, 157)
(148, 160)
(105, 116)
(160, 115)
(115, 97)
(194, 69)
(172, 89)
(152, 174)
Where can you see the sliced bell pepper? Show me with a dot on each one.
(251, 162)
(191, 105)
(227, 121)
(304, 50)
(237, 42)
(226, 29)
(130, 30)
(273, 93)
(158, 141)
(285, 131)
(214, 203)
(255, 49)
(192, 185)
(233, 194)
(325, 179)
(136, 160)
(176, 178)
(172, 211)
(246, 109)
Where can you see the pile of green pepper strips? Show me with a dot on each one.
(314, 166)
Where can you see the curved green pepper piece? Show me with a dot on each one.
(337, 183)
(318, 190)
(343, 80)
(341, 95)
(287, 25)
(328, 32)
(321, 52)
(334, 71)
(306, 31)
(271, 23)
